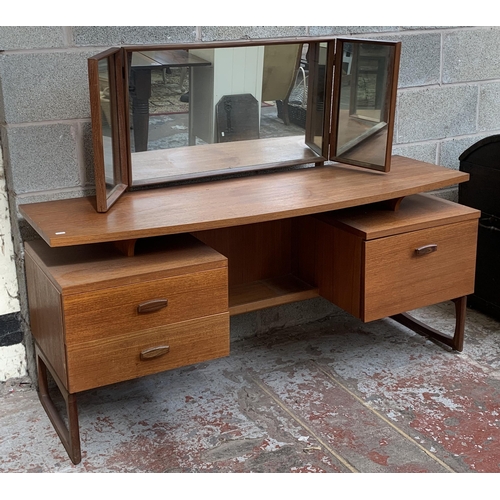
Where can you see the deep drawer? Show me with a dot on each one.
(108, 360)
(418, 268)
(113, 312)
(373, 262)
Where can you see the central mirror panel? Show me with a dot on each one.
(204, 111)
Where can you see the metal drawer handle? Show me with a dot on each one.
(152, 305)
(426, 249)
(154, 352)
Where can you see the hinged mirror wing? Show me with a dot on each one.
(364, 101)
(319, 61)
(108, 127)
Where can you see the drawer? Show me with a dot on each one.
(373, 262)
(108, 360)
(398, 277)
(112, 312)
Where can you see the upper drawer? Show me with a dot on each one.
(86, 268)
(417, 269)
(115, 311)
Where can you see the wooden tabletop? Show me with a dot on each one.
(232, 202)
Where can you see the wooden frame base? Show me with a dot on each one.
(68, 434)
(456, 342)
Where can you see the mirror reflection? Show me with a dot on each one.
(196, 112)
(107, 123)
(365, 93)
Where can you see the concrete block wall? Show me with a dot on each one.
(448, 99)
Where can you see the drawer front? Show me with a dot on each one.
(106, 361)
(113, 312)
(399, 278)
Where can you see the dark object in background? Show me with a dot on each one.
(237, 118)
(482, 162)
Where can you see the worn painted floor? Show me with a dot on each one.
(334, 395)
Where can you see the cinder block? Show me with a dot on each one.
(420, 53)
(42, 157)
(53, 195)
(349, 30)
(131, 35)
(244, 325)
(236, 32)
(451, 150)
(45, 86)
(424, 152)
(420, 59)
(296, 313)
(87, 153)
(436, 113)
(450, 193)
(471, 55)
(489, 107)
(31, 37)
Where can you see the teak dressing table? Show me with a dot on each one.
(150, 284)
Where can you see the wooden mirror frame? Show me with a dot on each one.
(118, 62)
(107, 192)
(391, 93)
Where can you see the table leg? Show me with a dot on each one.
(456, 342)
(70, 434)
(140, 93)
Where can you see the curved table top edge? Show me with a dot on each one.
(231, 202)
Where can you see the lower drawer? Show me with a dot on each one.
(106, 361)
(416, 269)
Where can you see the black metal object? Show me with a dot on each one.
(237, 118)
(482, 162)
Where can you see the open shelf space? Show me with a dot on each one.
(271, 292)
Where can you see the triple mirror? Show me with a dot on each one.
(163, 114)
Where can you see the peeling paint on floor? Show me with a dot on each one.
(332, 396)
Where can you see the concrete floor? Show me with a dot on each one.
(333, 395)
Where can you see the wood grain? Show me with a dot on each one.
(261, 294)
(111, 312)
(166, 165)
(232, 202)
(415, 212)
(89, 296)
(108, 360)
(254, 251)
(397, 280)
(46, 317)
(88, 268)
(366, 259)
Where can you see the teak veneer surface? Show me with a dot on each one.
(109, 360)
(95, 267)
(396, 279)
(365, 259)
(231, 202)
(415, 212)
